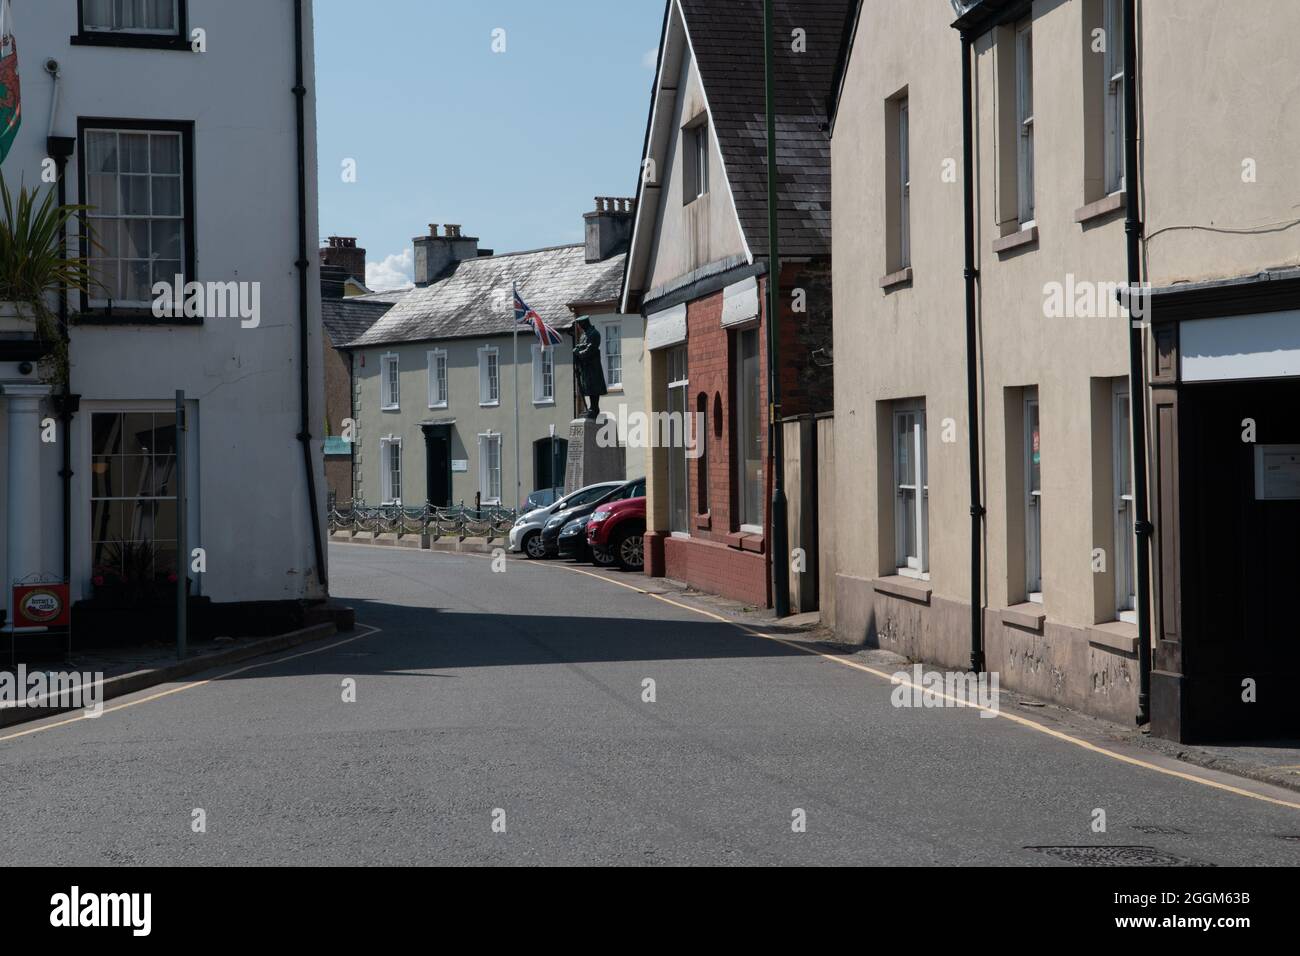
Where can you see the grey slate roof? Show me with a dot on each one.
(474, 298)
(388, 297)
(728, 42)
(346, 319)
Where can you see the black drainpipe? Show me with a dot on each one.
(61, 148)
(1136, 373)
(304, 316)
(972, 373)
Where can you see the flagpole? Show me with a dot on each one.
(518, 483)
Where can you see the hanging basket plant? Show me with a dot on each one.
(35, 265)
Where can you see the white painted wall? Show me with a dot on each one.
(249, 509)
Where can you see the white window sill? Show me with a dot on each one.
(489, 404)
(540, 402)
(443, 405)
(751, 529)
(391, 408)
(493, 502)
(913, 573)
(615, 388)
(681, 535)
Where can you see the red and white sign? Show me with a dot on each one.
(41, 605)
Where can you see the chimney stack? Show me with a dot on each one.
(435, 254)
(609, 227)
(342, 252)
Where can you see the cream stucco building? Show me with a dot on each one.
(1056, 579)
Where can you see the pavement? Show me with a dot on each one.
(486, 717)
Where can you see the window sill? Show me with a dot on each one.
(442, 407)
(1101, 208)
(133, 317)
(544, 403)
(746, 541)
(704, 522)
(615, 389)
(1028, 616)
(1017, 240)
(1115, 636)
(139, 41)
(489, 404)
(390, 408)
(911, 589)
(896, 279)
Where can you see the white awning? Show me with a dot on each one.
(1265, 345)
(740, 302)
(666, 328)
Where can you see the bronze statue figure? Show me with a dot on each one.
(590, 368)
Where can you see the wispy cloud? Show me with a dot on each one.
(650, 59)
(395, 272)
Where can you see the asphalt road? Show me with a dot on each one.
(522, 692)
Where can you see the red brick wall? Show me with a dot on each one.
(717, 557)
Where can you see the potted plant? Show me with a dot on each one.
(34, 266)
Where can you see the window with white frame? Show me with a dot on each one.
(489, 468)
(911, 498)
(1114, 100)
(135, 191)
(133, 506)
(160, 17)
(904, 187)
(1025, 119)
(390, 470)
(695, 155)
(438, 389)
(489, 376)
(611, 350)
(748, 379)
(1125, 539)
(543, 375)
(1033, 499)
(389, 383)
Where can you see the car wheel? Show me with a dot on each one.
(629, 550)
(533, 546)
(604, 557)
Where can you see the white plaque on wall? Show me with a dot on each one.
(1277, 472)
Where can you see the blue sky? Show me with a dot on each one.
(512, 145)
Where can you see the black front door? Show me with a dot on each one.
(437, 449)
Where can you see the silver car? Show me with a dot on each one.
(526, 535)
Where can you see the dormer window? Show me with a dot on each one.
(695, 161)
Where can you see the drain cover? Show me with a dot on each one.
(1158, 829)
(1112, 855)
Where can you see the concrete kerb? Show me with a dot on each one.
(123, 684)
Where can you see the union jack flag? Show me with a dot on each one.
(527, 316)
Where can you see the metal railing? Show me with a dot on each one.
(458, 521)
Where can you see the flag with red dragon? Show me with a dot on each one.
(11, 110)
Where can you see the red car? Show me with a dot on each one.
(615, 533)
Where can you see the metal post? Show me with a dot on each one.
(515, 364)
(780, 536)
(182, 539)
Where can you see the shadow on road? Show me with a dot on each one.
(416, 639)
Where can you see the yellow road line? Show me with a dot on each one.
(1014, 718)
(190, 685)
